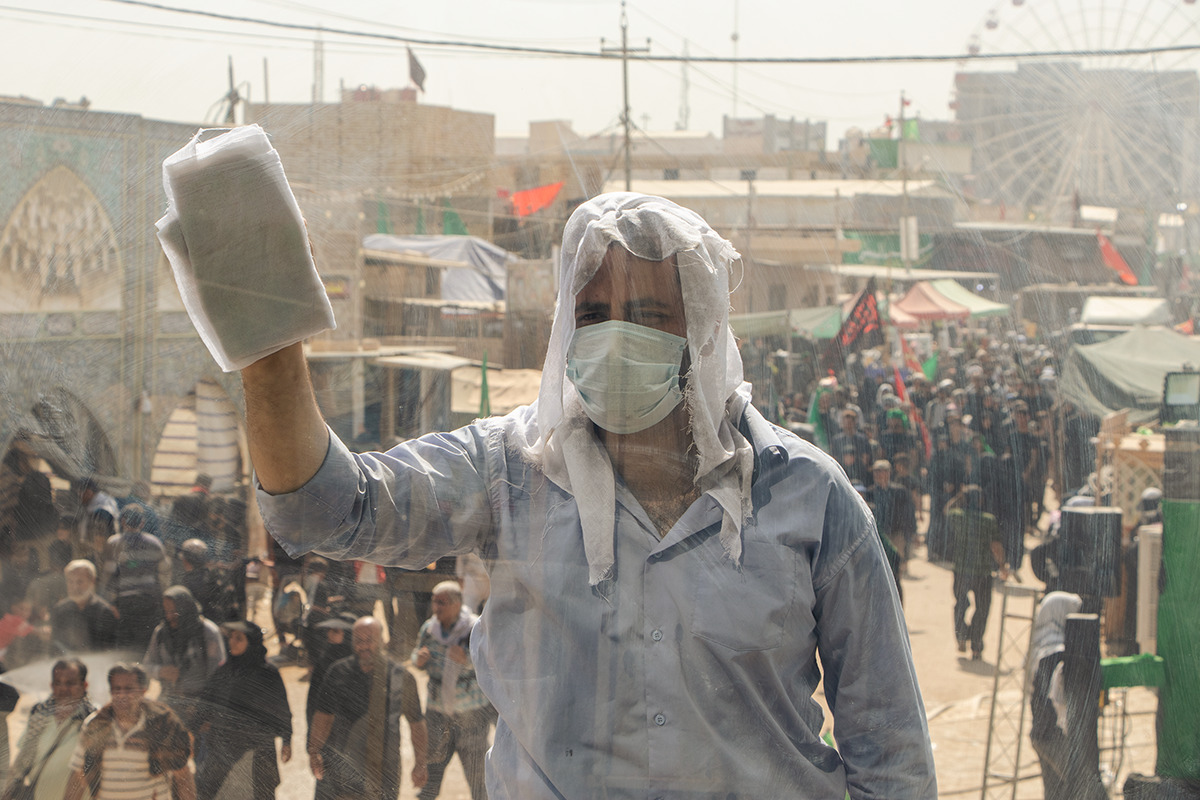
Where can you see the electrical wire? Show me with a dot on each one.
(613, 55)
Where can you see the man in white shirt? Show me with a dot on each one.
(52, 732)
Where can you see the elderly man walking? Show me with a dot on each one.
(83, 620)
(665, 563)
(457, 714)
(354, 741)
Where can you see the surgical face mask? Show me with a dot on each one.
(627, 375)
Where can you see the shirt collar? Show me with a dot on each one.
(770, 453)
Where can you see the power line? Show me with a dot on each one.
(510, 48)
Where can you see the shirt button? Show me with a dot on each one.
(659, 719)
(656, 635)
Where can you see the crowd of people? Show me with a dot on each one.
(972, 440)
(157, 589)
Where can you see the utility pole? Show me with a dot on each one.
(909, 243)
(318, 90)
(684, 112)
(734, 38)
(625, 51)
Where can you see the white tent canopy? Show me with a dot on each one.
(1125, 311)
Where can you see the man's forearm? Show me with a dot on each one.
(287, 434)
(420, 741)
(319, 731)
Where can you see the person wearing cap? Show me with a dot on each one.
(978, 552)
(243, 708)
(895, 514)
(853, 449)
(935, 410)
(665, 563)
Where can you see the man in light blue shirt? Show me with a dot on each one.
(666, 565)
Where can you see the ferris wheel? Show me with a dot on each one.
(1113, 118)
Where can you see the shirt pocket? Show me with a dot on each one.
(743, 608)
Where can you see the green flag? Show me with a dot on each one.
(817, 420)
(383, 218)
(929, 367)
(420, 219)
(452, 224)
(485, 402)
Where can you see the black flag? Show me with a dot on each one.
(416, 73)
(860, 329)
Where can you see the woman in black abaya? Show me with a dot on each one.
(243, 708)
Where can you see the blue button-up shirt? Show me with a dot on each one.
(683, 675)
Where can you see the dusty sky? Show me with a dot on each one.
(167, 65)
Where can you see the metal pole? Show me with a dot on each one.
(625, 116)
(625, 82)
(1082, 684)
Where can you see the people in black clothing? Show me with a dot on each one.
(896, 438)
(335, 647)
(892, 506)
(1078, 452)
(1021, 476)
(852, 449)
(82, 621)
(243, 708)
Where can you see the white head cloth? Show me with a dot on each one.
(654, 229)
(1049, 634)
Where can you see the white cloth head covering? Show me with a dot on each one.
(1050, 625)
(654, 229)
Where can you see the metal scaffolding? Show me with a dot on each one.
(1003, 769)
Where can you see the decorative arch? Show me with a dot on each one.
(63, 432)
(59, 249)
(201, 435)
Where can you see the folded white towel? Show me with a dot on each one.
(237, 244)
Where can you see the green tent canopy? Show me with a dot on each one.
(979, 306)
(822, 322)
(1126, 372)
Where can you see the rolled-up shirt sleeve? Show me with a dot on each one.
(422, 500)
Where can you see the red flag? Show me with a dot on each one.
(901, 389)
(529, 201)
(914, 413)
(1113, 260)
(910, 358)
